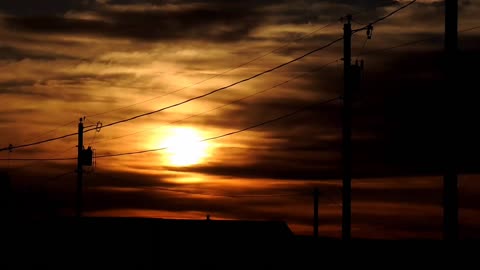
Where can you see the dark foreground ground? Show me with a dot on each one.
(137, 243)
(140, 243)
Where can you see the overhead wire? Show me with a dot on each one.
(60, 175)
(409, 43)
(39, 142)
(229, 133)
(47, 132)
(284, 116)
(384, 17)
(219, 74)
(222, 88)
(194, 84)
(225, 104)
(35, 162)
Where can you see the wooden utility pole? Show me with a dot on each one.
(79, 199)
(347, 131)
(316, 194)
(450, 181)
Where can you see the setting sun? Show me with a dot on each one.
(184, 147)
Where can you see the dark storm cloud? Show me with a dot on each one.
(191, 20)
(11, 53)
(410, 94)
(368, 3)
(44, 7)
(29, 88)
(398, 124)
(127, 179)
(12, 87)
(285, 170)
(207, 23)
(245, 113)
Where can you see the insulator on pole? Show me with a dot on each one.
(369, 31)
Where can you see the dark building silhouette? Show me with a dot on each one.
(144, 242)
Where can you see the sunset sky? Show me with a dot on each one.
(109, 60)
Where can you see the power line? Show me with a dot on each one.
(60, 175)
(270, 121)
(39, 142)
(194, 84)
(225, 104)
(48, 132)
(469, 29)
(216, 75)
(219, 74)
(204, 140)
(222, 88)
(385, 17)
(409, 43)
(34, 163)
(229, 133)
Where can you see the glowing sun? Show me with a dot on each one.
(184, 147)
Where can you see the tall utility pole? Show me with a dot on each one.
(347, 131)
(450, 181)
(316, 194)
(79, 199)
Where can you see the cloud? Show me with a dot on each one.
(208, 23)
(45, 7)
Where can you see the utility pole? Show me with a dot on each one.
(79, 199)
(450, 180)
(316, 194)
(347, 131)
